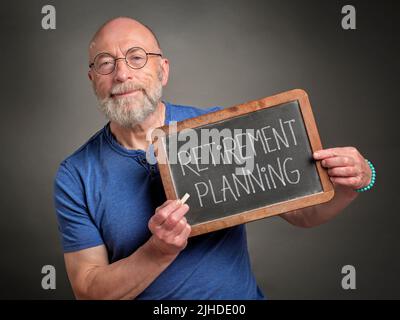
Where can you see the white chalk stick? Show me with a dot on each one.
(185, 197)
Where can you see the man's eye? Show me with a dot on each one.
(136, 58)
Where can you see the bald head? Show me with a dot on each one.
(123, 29)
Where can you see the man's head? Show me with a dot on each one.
(127, 95)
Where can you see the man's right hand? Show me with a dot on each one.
(169, 228)
(93, 277)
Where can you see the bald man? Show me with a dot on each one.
(122, 239)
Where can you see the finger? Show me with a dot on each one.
(182, 239)
(325, 153)
(179, 227)
(163, 212)
(165, 204)
(186, 232)
(343, 172)
(332, 152)
(352, 182)
(337, 162)
(175, 217)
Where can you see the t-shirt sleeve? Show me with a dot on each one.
(212, 109)
(75, 224)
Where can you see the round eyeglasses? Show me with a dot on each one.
(136, 58)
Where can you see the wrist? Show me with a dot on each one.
(371, 180)
(347, 192)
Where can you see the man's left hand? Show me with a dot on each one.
(346, 166)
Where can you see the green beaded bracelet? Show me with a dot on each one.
(371, 184)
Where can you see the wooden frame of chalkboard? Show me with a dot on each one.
(300, 96)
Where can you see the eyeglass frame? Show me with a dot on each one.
(91, 65)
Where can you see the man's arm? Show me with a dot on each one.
(313, 216)
(348, 171)
(92, 277)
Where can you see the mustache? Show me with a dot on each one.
(125, 87)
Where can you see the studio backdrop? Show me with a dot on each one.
(221, 53)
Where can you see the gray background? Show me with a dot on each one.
(221, 53)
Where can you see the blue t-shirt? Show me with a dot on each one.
(105, 194)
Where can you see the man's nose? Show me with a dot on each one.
(122, 70)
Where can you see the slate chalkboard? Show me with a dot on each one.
(245, 162)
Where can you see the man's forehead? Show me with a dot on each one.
(114, 46)
(120, 37)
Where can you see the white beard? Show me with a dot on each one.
(129, 111)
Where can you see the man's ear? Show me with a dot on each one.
(165, 69)
(90, 75)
